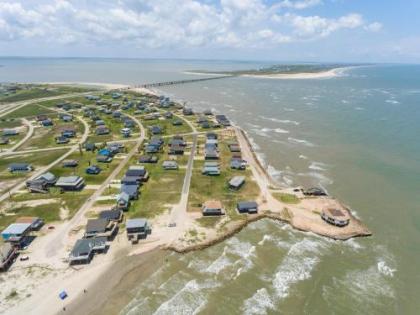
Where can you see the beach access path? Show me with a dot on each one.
(21, 142)
(57, 243)
(44, 169)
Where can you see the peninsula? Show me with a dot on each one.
(92, 172)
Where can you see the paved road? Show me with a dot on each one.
(16, 153)
(56, 244)
(179, 211)
(11, 107)
(26, 138)
(52, 164)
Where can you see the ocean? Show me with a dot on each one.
(356, 135)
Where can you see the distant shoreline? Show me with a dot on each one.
(331, 73)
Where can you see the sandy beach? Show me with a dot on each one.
(286, 76)
(299, 76)
(106, 279)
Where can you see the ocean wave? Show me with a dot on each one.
(219, 264)
(289, 109)
(298, 265)
(392, 101)
(301, 141)
(385, 269)
(282, 121)
(359, 108)
(318, 166)
(188, 300)
(284, 176)
(322, 179)
(258, 304)
(359, 288)
(303, 157)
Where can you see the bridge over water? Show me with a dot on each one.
(157, 84)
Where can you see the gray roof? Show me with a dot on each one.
(110, 214)
(16, 228)
(96, 225)
(237, 181)
(136, 223)
(68, 180)
(47, 176)
(123, 196)
(169, 164)
(247, 205)
(82, 247)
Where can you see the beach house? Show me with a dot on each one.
(170, 165)
(16, 232)
(84, 249)
(123, 201)
(137, 229)
(112, 215)
(70, 183)
(236, 182)
(212, 207)
(337, 217)
(101, 228)
(19, 167)
(247, 207)
(8, 254)
(93, 170)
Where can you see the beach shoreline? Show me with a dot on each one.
(92, 277)
(328, 74)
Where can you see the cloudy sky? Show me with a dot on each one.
(289, 30)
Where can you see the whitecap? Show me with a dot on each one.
(318, 166)
(298, 264)
(279, 130)
(359, 108)
(392, 101)
(259, 303)
(289, 109)
(300, 141)
(385, 269)
(303, 157)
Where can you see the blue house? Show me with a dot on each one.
(47, 122)
(16, 232)
(93, 170)
(131, 190)
(20, 167)
(68, 133)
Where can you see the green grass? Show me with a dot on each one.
(204, 187)
(162, 189)
(80, 170)
(44, 137)
(209, 222)
(167, 127)
(48, 212)
(38, 92)
(36, 159)
(30, 110)
(286, 198)
(9, 123)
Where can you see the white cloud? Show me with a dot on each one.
(313, 27)
(374, 27)
(299, 5)
(169, 23)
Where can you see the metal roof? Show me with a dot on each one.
(68, 180)
(237, 181)
(16, 228)
(245, 205)
(136, 223)
(96, 225)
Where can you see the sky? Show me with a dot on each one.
(285, 30)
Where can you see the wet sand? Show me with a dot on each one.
(111, 292)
